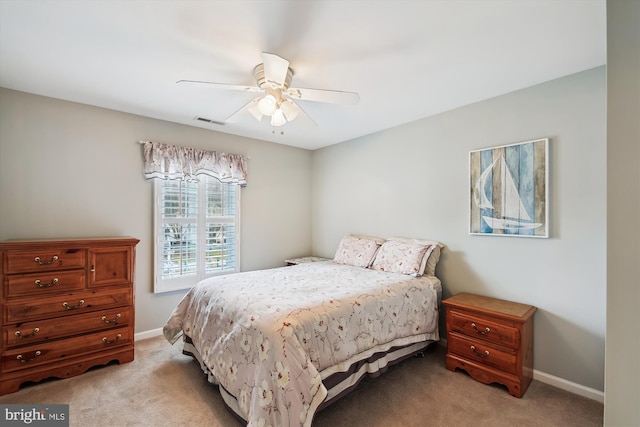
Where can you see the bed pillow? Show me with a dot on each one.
(399, 257)
(431, 256)
(378, 240)
(358, 251)
(432, 260)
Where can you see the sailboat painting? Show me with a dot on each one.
(508, 187)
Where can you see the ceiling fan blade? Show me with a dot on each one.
(251, 106)
(223, 86)
(321, 95)
(275, 69)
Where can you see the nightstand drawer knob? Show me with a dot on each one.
(484, 354)
(35, 356)
(35, 331)
(107, 341)
(478, 331)
(114, 320)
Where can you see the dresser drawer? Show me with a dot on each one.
(44, 283)
(43, 330)
(21, 310)
(481, 352)
(482, 328)
(44, 260)
(53, 351)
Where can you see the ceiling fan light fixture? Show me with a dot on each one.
(289, 110)
(268, 104)
(278, 119)
(255, 111)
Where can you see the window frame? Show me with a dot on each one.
(183, 282)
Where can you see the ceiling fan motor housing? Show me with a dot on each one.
(258, 72)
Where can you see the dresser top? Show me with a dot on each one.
(483, 303)
(54, 242)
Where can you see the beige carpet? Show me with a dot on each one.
(162, 387)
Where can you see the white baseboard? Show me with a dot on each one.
(580, 390)
(148, 334)
(560, 383)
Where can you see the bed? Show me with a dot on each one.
(283, 343)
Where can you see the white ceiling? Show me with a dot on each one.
(406, 59)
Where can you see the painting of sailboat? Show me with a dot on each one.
(509, 186)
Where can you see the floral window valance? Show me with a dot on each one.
(162, 161)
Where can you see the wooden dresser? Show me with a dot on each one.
(491, 339)
(67, 305)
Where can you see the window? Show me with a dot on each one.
(196, 231)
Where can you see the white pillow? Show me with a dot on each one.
(431, 256)
(358, 251)
(399, 257)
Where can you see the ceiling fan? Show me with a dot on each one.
(276, 99)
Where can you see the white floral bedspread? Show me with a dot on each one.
(266, 335)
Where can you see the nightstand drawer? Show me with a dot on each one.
(482, 352)
(486, 330)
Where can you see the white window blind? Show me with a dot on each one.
(197, 227)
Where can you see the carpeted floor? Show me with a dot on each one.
(162, 387)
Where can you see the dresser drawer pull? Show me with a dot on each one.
(73, 307)
(114, 320)
(35, 331)
(47, 285)
(486, 330)
(40, 262)
(484, 354)
(106, 341)
(23, 360)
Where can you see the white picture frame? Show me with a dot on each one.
(509, 186)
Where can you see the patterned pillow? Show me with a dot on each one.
(400, 257)
(431, 256)
(356, 250)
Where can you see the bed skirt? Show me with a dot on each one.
(338, 384)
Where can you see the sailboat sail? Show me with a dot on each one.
(512, 206)
(514, 215)
(480, 194)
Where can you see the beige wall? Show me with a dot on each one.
(71, 170)
(413, 181)
(622, 386)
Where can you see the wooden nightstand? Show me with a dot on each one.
(296, 261)
(491, 339)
